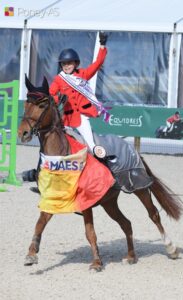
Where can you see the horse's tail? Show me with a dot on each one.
(170, 202)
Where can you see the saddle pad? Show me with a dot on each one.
(72, 183)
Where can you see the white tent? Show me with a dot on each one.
(158, 16)
(140, 15)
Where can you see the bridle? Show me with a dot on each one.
(56, 125)
(37, 98)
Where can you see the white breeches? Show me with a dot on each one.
(168, 124)
(86, 131)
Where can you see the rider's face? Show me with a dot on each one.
(69, 66)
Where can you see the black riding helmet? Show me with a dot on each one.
(68, 55)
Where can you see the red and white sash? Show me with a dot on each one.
(82, 86)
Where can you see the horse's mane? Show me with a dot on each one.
(57, 113)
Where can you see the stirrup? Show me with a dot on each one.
(99, 152)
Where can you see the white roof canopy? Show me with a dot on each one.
(123, 15)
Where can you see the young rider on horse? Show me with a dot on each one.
(78, 107)
(171, 120)
(81, 103)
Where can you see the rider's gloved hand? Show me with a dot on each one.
(103, 38)
(63, 98)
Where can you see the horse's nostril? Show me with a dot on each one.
(26, 136)
(25, 133)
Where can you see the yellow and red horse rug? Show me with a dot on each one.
(72, 183)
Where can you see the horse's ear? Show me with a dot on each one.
(29, 85)
(45, 86)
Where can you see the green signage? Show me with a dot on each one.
(136, 121)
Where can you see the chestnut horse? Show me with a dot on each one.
(42, 117)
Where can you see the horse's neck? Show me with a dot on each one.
(54, 143)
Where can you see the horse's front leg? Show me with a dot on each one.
(31, 257)
(92, 238)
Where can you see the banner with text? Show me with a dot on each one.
(141, 122)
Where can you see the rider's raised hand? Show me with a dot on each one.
(103, 38)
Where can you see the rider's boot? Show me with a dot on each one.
(32, 175)
(29, 175)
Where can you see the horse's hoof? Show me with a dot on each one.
(174, 255)
(129, 260)
(31, 260)
(172, 251)
(96, 266)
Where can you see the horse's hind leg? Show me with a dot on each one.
(145, 197)
(112, 209)
(92, 238)
(31, 257)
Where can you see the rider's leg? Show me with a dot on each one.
(169, 125)
(86, 131)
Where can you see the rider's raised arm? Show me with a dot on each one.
(90, 71)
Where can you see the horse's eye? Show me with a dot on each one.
(42, 105)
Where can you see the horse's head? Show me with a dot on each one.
(37, 111)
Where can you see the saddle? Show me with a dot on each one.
(123, 161)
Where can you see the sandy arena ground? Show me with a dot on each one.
(64, 257)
